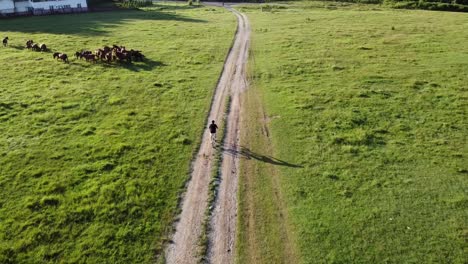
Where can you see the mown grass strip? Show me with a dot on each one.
(264, 234)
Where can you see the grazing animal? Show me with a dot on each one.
(43, 47)
(35, 47)
(109, 54)
(121, 56)
(29, 44)
(90, 57)
(61, 56)
(100, 54)
(109, 57)
(81, 54)
(5, 42)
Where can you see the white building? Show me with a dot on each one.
(39, 7)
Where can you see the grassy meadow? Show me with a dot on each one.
(372, 104)
(93, 156)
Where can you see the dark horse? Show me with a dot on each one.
(29, 44)
(90, 57)
(43, 47)
(61, 56)
(35, 47)
(82, 54)
(5, 42)
(123, 56)
(108, 57)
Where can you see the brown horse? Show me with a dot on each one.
(90, 57)
(61, 56)
(5, 42)
(121, 56)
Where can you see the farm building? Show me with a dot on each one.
(41, 7)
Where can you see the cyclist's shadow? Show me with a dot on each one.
(248, 154)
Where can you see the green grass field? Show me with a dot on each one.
(94, 156)
(372, 103)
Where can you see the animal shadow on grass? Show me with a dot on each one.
(145, 65)
(249, 154)
(18, 47)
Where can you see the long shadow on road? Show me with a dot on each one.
(249, 154)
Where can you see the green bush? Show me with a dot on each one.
(442, 5)
(100, 3)
(135, 3)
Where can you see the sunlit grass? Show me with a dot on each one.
(94, 156)
(373, 104)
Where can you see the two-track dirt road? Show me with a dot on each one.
(223, 222)
(185, 243)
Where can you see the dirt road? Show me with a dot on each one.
(184, 246)
(223, 223)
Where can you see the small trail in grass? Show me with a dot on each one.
(184, 246)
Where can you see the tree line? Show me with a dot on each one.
(443, 5)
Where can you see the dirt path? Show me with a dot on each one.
(223, 223)
(183, 248)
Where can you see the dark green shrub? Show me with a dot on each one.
(442, 5)
(135, 3)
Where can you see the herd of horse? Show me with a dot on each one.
(110, 54)
(106, 54)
